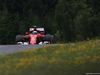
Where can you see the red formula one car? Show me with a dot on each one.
(36, 36)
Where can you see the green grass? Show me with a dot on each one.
(68, 59)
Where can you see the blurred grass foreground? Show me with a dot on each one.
(79, 58)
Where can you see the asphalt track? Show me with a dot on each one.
(9, 49)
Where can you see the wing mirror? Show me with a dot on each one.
(27, 33)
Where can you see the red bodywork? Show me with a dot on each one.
(32, 38)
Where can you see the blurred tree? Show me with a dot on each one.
(64, 16)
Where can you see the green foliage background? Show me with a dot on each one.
(67, 20)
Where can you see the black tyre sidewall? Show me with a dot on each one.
(19, 38)
(49, 37)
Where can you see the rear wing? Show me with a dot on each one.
(38, 29)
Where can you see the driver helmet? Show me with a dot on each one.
(34, 32)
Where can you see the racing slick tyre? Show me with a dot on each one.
(19, 38)
(49, 37)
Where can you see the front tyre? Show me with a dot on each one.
(19, 38)
(49, 38)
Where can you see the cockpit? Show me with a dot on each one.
(34, 32)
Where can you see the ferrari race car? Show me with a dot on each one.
(35, 36)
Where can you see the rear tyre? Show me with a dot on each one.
(19, 38)
(49, 37)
